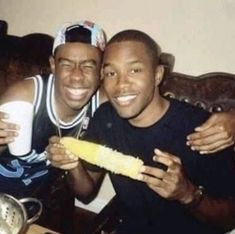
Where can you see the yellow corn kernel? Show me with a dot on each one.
(104, 157)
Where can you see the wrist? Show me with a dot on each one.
(188, 194)
(195, 198)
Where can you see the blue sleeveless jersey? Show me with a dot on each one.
(20, 176)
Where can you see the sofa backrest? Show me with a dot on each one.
(213, 91)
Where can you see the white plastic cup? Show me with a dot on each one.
(21, 113)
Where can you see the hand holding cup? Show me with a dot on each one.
(20, 118)
(8, 131)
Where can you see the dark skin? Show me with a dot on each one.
(76, 67)
(22, 90)
(176, 190)
(170, 184)
(83, 183)
(216, 134)
(127, 76)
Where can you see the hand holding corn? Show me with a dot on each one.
(104, 157)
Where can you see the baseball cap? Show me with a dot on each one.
(82, 31)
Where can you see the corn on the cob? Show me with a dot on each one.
(104, 157)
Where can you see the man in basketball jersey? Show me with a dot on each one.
(64, 101)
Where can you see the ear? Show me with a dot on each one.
(159, 72)
(52, 64)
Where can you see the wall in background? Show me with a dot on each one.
(200, 33)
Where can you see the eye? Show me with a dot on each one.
(135, 70)
(109, 74)
(66, 65)
(88, 66)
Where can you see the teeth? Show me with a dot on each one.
(126, 98)
(77, 91)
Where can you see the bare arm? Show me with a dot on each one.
(84, 183)
(22, 90)
(174, 185)
(216, 211)
(217, 133)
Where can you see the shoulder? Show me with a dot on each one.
(188, 111)
(105, 110)
(103, 116)
(21, 90)
(185, 116)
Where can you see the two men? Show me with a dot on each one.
(64, 102)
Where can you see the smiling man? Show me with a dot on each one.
(177, 190)
(64, 101)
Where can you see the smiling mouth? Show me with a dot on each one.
(76, 93)
(125, 100)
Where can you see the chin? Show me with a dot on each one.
(77, 105)
(125, 114)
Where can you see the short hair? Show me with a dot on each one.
(153, 49)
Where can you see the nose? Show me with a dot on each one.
(77, 73)
(123, 81)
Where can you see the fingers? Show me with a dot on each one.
(7, 137)
(214, 147)
(172, 183)
(166, 158)
(164, 183)
(210, 141)
(217, 133)
(57, 153)
(59, 156)
(64, 164)
(203, 135)
(8, 131)
(157, 176)
(54, 140)
(4, 124)
(208, 124)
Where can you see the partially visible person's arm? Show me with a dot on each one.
(23, 90)
(217, 133)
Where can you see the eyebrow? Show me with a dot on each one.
(81, 62)
(65, 59)
(130, 63)
(106, 65)
(89, 61)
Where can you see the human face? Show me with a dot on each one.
(130, 81)
(76, 67)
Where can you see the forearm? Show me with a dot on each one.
(82, 183)
(220, 212)
(216, 211)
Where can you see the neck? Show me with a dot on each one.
(155, 112)
(65, 113)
